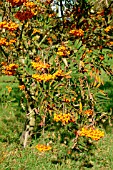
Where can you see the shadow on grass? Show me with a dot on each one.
(108, 88)
(12, 117)
(107, 105)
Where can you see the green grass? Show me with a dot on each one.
(12, 154)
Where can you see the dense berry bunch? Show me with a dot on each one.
(16, 2)
(77, 32)
(4, 42)
(43, 148)
(63, 51)
(11, 26)
(40, 65)
(95, 134)
(64, 118)
(9, 69)
(24, 15)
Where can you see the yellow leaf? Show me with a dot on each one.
(81, 64)
(95, 83)
(65, 61)
(98, 78)
(91, 74)
(98, 85)
(80, 107)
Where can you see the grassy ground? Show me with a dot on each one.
(13, 156)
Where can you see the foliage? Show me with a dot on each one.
(58, 63)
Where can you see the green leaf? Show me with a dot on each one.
(77, 44)
(44, 85)
(0, 18)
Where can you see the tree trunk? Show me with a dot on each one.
(29, 127)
